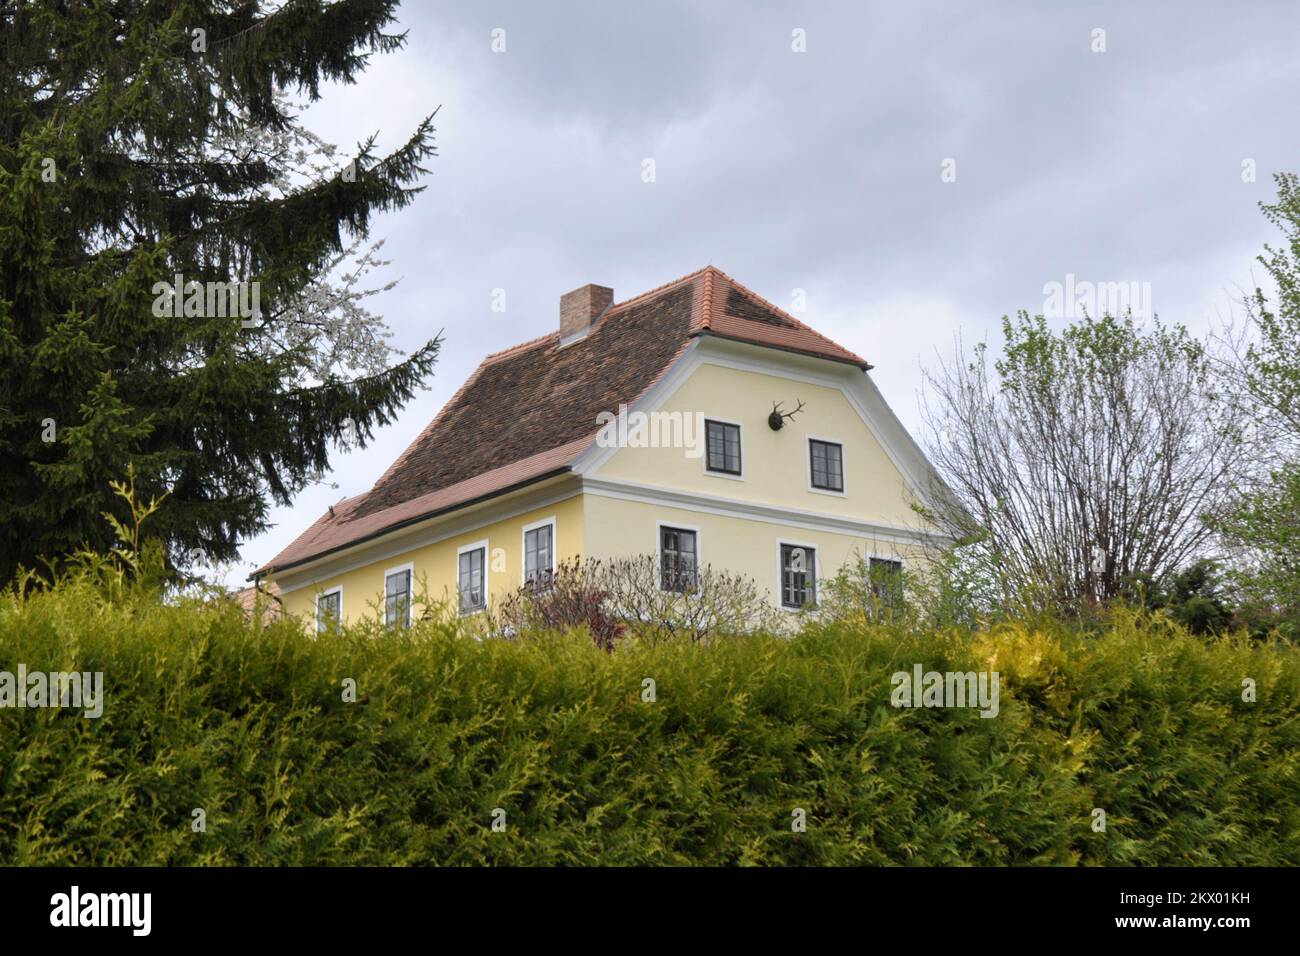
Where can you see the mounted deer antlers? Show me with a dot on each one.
(777, 419)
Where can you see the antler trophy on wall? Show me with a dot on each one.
(777, 419)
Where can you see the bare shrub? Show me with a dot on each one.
(572, 596)
(1081, 458)
(708, 603)
(612, 597)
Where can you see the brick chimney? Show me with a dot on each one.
(581, 307)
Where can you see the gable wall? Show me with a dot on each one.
(775, 463)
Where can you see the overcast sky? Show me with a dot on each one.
(829, 170)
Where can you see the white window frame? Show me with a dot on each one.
(523, 547)
(723, 474)
(659, 549)
(780, 572)
(487, 592)
(337, 589)
(844, 465)
(409, 568)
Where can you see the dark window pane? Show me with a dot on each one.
(827, 460)
(538, 556)
(397, 599)
(470, 583)
(677, 559)
(887, 581)
(723, 447)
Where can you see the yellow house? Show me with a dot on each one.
(697, 422)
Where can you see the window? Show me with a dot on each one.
(722, 440)
(798, 576)
(827, 462)
(678, 556)
(469, 579)
(539, 556)
(397, 598)
(886, 581)
(329, 610)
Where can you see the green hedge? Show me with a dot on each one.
(203, 711)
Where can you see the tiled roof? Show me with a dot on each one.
(250, 598)
(529, 411)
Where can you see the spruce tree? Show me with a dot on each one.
(141, 140)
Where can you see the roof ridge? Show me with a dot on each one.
(706, 309)
(656, 290)
(505, 353)
(745, 290)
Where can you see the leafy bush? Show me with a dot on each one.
(591, 764)
(1207, 599)
(946, 591)
(1194, 596)
(1263, 534)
